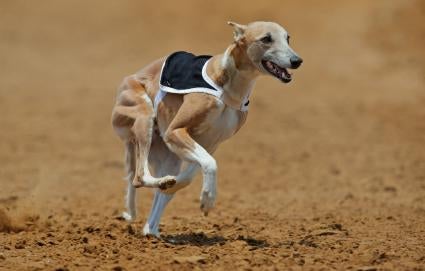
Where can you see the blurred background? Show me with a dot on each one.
(344, 142)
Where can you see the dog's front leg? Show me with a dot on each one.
(160, 201)
(180, 142)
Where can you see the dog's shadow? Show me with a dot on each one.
(201, 239)
(194, 239)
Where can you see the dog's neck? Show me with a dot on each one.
(235, 73)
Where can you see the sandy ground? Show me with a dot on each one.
(327, 173)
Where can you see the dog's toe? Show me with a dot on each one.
(148, 231)
(207, 201)
(128, 217)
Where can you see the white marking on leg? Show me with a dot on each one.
(160, 202)
(130, 199)
(164, 162)
(197, 154)
(161, 182)
(130, 214)
(209, 172)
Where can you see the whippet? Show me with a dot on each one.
(173, 114)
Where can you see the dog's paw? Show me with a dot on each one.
(148, 231)
(207, 201)
(166, 182)
(128, 217)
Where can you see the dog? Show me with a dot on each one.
(172, 124)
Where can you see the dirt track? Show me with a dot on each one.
(327, 173)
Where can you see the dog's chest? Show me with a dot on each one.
(219, 127)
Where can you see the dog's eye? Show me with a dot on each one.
(287, 39)
(267, 39)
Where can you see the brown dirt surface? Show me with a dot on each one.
(327, 173)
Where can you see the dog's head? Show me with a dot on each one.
(267, 46)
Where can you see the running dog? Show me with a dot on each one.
(173, 114)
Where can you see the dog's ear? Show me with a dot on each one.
(238, 30)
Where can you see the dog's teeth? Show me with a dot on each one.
(269, 64)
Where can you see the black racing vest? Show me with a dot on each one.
(183, 71)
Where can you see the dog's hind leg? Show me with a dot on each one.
(130, 167)
(143, 130)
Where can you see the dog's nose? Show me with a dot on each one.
(296, 61)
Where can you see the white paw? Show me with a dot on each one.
(147, 231)
(207, 200)
(128, 217)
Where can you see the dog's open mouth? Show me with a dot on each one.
(279, 72)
